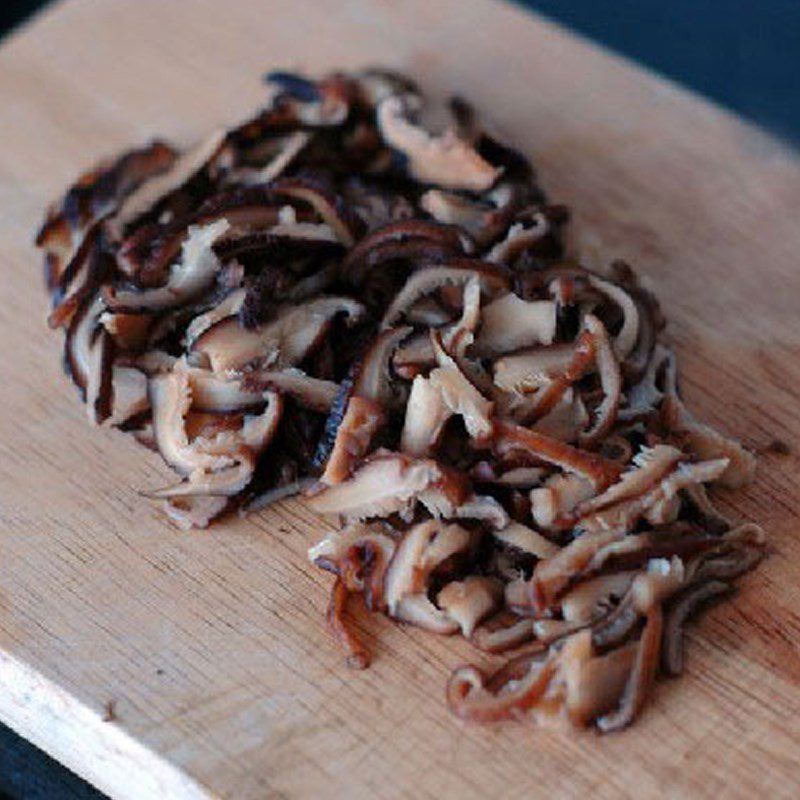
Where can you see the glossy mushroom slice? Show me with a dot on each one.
(706, 443)
(411, 240)
(353, 439)
(282, 343)
(220, 464)
(152, 191)
(94, 196)
(447, 160)
(330, 208)
(316, 104)
(471, 600)
(446, 392)
(484, 218)
(432, 279)
(598, 471)
(359, 556)
(375, 381)
(313, 393)
(422, 549)
(510, 323)
(190, 276)
(389, 483)
(522, 237)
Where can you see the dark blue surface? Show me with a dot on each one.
(744, 54)
(26, 773)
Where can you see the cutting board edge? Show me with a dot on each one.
(78, 736)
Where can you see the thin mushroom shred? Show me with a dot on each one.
(338, 299)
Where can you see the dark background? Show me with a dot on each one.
(744, 54)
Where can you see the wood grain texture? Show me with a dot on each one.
(212, 645)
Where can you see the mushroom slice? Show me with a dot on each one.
(99, 383)
(600, 472)
(227, 307)
(595, 597)
(502, 632)
(129, 331)
(221, 464)
(470, 601)
(418, 610)
(80, 340)
(330, 208)
(625, 340)
(320, 104)
(411, 238)
(534, 368)
(685, 606)
(484, 508)
(312, 393)
(191, 513)
(445, 160)
(484, 221)
(644, 397)
(510, 323)
(291, 146)
(153, 362)
(86, 269)
(509, 694)
(558, 497)
(514, 477)
(610, 380)
(414, 357)
(591, 347)
(650, 466)
(525, 539)
(583, 353)
(259, 500)
(360, 555)
(94, 196)
(429, 313)
(648, 590)
(129, 396)
(593, 683)
(389, 483)
(374, 380)
(567, 421)
(433, 400)
(422, 549)
(171, 399)
(520, 238)
(706, 443)
(353, 439)
(239, 450)
(426, 416)
(552, 575)
(191, 275)
(221, 394)
(623, 515)
(428, 280)
(458, 337)
(283, 342)
(357, 655)
(152, 191)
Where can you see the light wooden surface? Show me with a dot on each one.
(212, 645)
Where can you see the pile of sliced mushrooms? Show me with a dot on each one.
(366, 300)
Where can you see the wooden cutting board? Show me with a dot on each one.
(211, 645)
